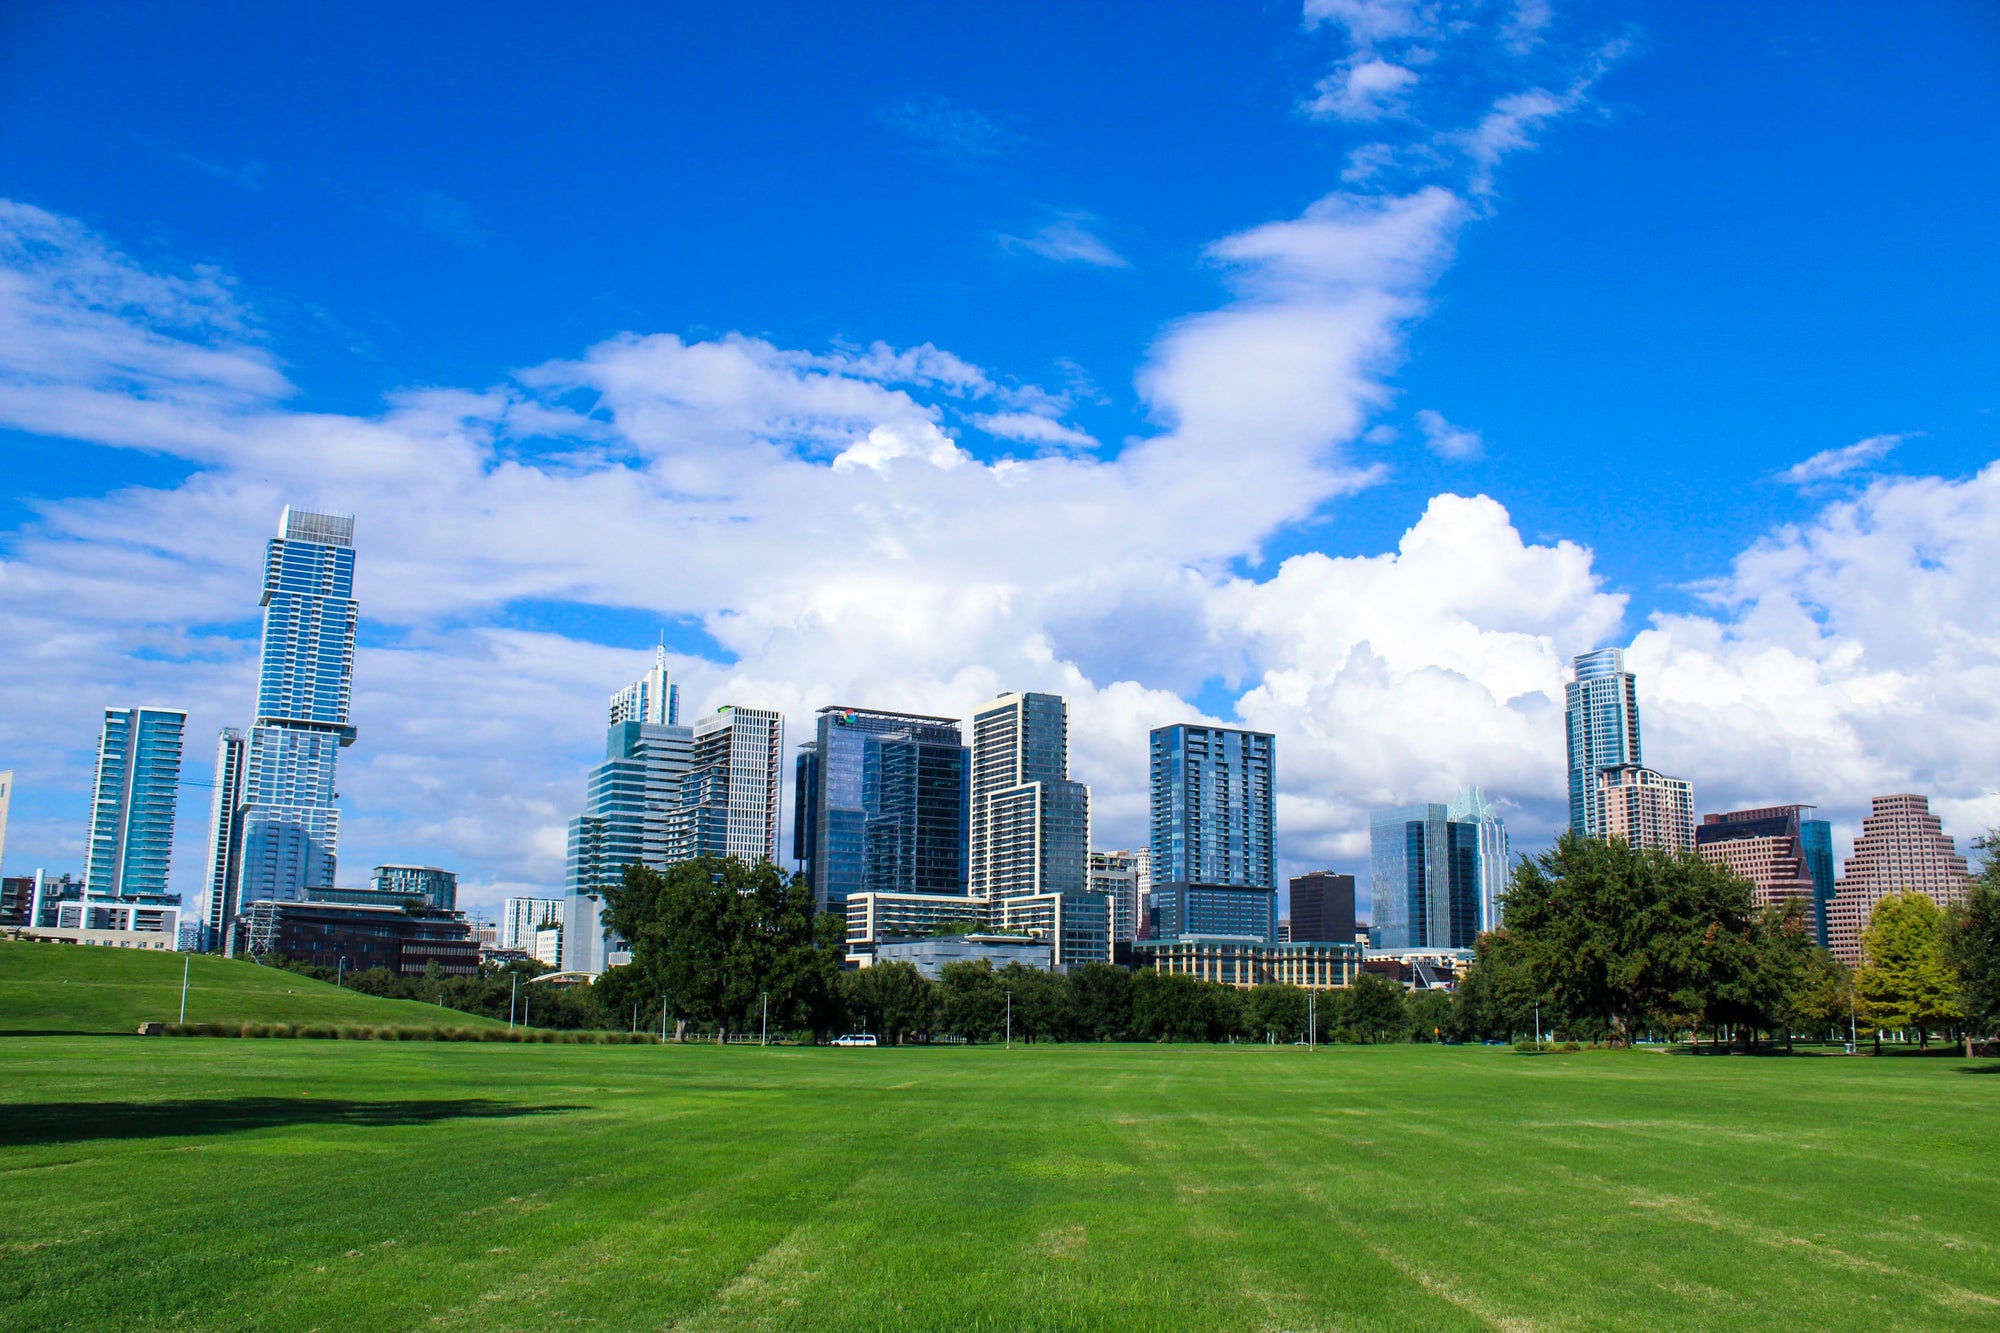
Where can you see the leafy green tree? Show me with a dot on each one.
(1496, 1000)
(1782, 952)
(1822, 999)
(1906, 980)
(1101, 1001)
(1972, 945)
(1372, 1010)
(1613, 935)
(895, 998)
(1275, 1012)
(1042, 1008)
(971, 1002)
(1430, 1014)
(1167, 1006)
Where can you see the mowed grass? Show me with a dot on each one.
(56, 988)
(191, 1184)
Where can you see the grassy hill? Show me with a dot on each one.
(72, 989)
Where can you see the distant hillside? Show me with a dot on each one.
(74, 988)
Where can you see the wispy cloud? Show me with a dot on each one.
(1446, 440)
(1828, 464)
(1362, 91)
(245, 175)
(941, 128)
(1068, 240)
(1030, 428)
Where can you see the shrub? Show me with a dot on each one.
(1569, 1046)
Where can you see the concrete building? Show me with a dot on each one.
(133, 802)
(439, 888)
(1646, 808)
(6, 799)
(874, 917)
(520, 918)
(225, 845)
(729, 803)
(1902, 848)
(1121, 878)
(17, 900)
(1029, 825)
(929, 956)
(1784, 855)
(1077, 926)
(1322, 908)
(545, 945)
(1244, 963)
(653, 698)
(1601, 717)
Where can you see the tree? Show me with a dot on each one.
(1042, 1009)
(1972, 945)
(1497, 997)
(1823, 996)
(1167, 1006)
(1905, 980)
(971, 1003)
(894, 997)
(1101, 1001)
(1782, 951)
(1372, 1009)
(1613, 935)
(1276, 1012)
(1429, 1013)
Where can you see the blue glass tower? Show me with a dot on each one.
(132, 804)
(283, 837)
(1601, 715)
(1424, 878)
(631, 816)
(1213, 793)
(887, 805)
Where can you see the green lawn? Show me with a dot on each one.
(230, 1184)
(54, 988)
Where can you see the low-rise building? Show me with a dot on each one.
(1076, 925)
(930, 955)
(1246, 961)
(405, 940)
(873, 917)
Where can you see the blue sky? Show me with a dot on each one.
(1741, 237)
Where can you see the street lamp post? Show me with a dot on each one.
(764, 1036)
(340, 973)
(513, 997)
(186, 963)
(1010, 1020)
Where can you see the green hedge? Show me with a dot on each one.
(352, 1032)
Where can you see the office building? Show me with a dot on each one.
(225, 843)
(1646, 808)
(133, 801)
(929, 956)
(1029, 824)
(356, 937)
(1322, 908)
(1231, 910)
(1470, 806)
(438, 888)
(874, 917)
(729, 803)
(1784, 855)
(1601, 712)
(631, 816)
(1213, 794)
(1311, 965)
(885, 800)
(1423, 879)
(545, 944)
(17, 901)
(66, 908)
(1121, 878)
(1076, 925)
(274, 831)
(1902, 848)
(520, 918)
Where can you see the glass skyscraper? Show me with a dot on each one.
(1030, 825)
(1470, 806)
(1601, 711)
(1424, 878)
(132, 802)
(631, 809)
(1213, 794)
(279, 835)
(885, 805)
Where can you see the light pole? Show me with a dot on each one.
(340, 973)
(513, 996)
(1010, 1020)
(186, 963)
(764, 1036)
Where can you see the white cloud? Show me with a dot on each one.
(1030, 428)
(1828, 464)
(1371, 21)
(1068, 240)
(1447, 440)
(1363, 90)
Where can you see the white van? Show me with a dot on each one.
(856, 1039)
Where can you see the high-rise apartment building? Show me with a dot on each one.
(1323, 908)
(438, 888)
(1601, 712)
(884, 805)
(1424, 879)
(1029, 824)
(1470, 806)
(278, 835)
(520, 918)
(1784, 855)
(729, 805)
(1213, 806)
(1645, 808)
(133, 802)
(1902, 848)
(1121, 878)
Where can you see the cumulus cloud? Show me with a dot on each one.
(1828, 464)
(1362, 90)
(1446, 440)
(1068, 240)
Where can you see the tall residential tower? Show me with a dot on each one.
(1601, 708)
(1214, 861)
(133, 802)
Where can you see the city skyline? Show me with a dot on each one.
(1358, 450)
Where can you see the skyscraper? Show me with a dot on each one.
(886, 805)
(1470, 806)
(1323, 908)
(225, 847)
(284, 836)
(729, 805)
(1120, 877)
(1424, 878)
(1602, 715)
(1213, 790)
(1783, 855)
(520, 918)
(1645, 808)
(652, 698)
(1902, 848)
(1030, 825)
(1213, 832)
(631, 815)
(133, 801)
(6, 798)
